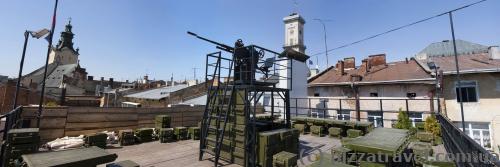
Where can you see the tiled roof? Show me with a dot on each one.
(395, 72)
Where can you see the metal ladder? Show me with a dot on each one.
(219, 105)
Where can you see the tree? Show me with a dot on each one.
(431, 125)
(403, 121)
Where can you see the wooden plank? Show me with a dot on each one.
(96, 125)
(100, 117)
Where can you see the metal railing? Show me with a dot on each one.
(12, 121)
(467, 152)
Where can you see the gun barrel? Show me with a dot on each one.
(219, 45)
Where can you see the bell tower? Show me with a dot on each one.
(64, 52)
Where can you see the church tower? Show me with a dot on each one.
(64, 53)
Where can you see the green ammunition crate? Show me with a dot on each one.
(284, 159)
(353, 133)
(194, 133)
(302, 128)
(126, 137)
(275, 141)
(317, 130)
(14, 152)
(126, 163)
(166, 135)
(425, 136)
(144, 134)
(181, 133)
(23, 135)
(162, 121)
(365, 127)
(335, 132)
(96, 139)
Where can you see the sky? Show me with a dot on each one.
(126, 39)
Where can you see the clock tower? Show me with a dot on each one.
(294, 39)
(294, 32)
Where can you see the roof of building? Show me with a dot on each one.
(201, 100)
(56, 77)
(158, 93)
(445, 48)
(395, 72)
(470, 63)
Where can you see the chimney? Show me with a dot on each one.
(349, 62)
(126, 81)
(494, 52)
(111, 81)
(375, 60)
(90, 78)
(406, 60)
(364, 66)
(102, 79)
(340, 67)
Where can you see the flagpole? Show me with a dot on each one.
(51, 35)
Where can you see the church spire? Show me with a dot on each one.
(66, 39)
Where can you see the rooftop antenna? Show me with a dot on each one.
(194, 72)
(295, 6)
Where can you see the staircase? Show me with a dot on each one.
(218, 111)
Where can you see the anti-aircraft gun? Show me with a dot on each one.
(245, 59)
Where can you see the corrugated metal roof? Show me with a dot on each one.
(201, 100)
(158, 93)
(445, 48)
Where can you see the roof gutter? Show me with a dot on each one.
(374, 82)
(487, 70)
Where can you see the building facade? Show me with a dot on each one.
(375, 91)
(479, 68)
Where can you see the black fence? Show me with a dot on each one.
(11, 120)
(467, 152)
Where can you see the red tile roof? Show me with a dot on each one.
(395, 72)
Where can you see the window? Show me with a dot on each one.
(415, 117)
(478, 131)
(267, 100)
(373, 94)
(468, 89)
(411, 95)
(291, 41)
(344, 115)
(316, 94)
(376, 118)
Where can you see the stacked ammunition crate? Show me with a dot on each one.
(166, 135)
(233, 145)
(96, 139)
(144, 134)
(126, 137)
(194, 133)
(20, 141)
(162, 121)
(275, 141)
(181, 133)
(285, 159)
